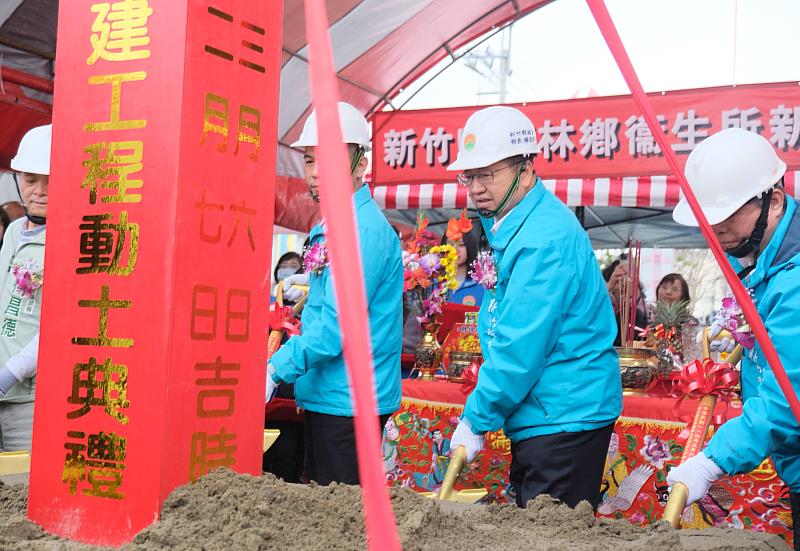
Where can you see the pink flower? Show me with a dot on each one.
(484, 271)
(431, 306)
(731, 318)
(430, 263)
(637, 518)
(27, 281)
(316, 258)
(655, 451)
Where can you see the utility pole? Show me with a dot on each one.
(484, 64)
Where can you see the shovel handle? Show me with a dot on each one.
(457, 461)
(676, 504)
(694, 444)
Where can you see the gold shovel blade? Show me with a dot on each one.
(15, 462)
(270, 435)
(462, 496)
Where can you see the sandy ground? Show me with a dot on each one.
(226, 511)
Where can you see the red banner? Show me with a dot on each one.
(594, 137)
(154, 323)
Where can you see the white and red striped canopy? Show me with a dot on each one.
(649, 191)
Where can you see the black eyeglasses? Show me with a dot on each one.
(483, 178)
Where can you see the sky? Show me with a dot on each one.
(558, 52)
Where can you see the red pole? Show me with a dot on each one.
(337, 207)
(26, 79)
(606, 24)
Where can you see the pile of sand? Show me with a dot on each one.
(226, 511)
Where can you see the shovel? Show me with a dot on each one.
(679, 494)
(276, 335)
(270, 436)
(457, 461)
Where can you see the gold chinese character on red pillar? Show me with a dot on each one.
(215, 120)
(99, 461)
(250, 44)
(115, 123)
(204, 206)
(109, 166)
(211, 451)
(120, 31)
(250, 213)
(103, 243)
(249, 130)
(219, 401)
(104, 385)
(104, 304)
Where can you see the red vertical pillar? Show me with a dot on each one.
(153, 343)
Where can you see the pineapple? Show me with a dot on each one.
(670, 315)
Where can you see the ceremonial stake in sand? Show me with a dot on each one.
(337, 207)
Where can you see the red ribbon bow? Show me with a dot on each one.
(706, 378)
(282, 318)
(470, 377)
(659, 331)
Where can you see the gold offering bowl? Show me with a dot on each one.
(638, 368)
(461, 362)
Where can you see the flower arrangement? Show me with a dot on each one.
(423, 239)
(484, 270)
(27, 281)
(731, 318)
(457, 227)
(315, 259)
(429, 273)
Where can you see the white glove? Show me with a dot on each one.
(721, 340)
(290, 293)
(463, 436)
(725, 344)
(272, 386)
(697, 473)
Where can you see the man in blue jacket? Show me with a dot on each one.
(313, 361)
(550, 376)
(738, 180)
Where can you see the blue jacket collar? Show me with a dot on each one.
(360, 198)
(783, 247)
(513, 220)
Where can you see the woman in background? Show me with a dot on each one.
(459, 234)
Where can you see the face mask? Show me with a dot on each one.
(283, 273)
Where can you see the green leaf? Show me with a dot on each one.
(748, 522)
(661, 476)
(633, 443)
(675, 449)
(403, 449)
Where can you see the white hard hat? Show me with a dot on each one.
(725, 171)
(355, 128)
(494, 134)
(33, 155)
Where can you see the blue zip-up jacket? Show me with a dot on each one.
(313, 360)
(547, 331)
(767, 426)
